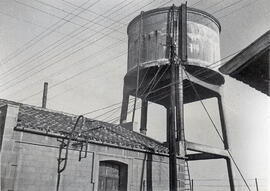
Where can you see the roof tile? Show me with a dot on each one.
(48, 121)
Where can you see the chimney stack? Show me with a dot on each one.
(45, 92)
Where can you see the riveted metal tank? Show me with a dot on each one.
(147, 41)
(148, 48)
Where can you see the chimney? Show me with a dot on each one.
(45, 92)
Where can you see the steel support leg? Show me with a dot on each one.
(230, 173)
(168, 124)
(144, 109)
(124, 108)
(223, 123)
(225, 141)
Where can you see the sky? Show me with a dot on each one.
(79, 47)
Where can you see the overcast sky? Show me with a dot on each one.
(81, 53)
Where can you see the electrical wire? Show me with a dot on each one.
(144, 77)
(215, 129)
(110, 14)
(38, 37)
(227, 6)
(214, 4)
(56, 61)
(70, 4)
(81, 61)
(75, 75)
(194, 4)
(31, 23)
(159, 78)
(167, 93)
(88, 43)
(71, 35)
(141, 94)
(62, 10)
(78, 16)
(117, 118)
(220, 135)
(54, 47)
(233, 11)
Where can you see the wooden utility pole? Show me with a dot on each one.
(171, 109)
(175, 112)
(182, 59)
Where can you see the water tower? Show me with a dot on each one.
(172, 54)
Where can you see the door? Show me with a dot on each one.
(109, 176)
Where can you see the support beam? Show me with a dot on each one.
(223, 123)
(230, 173)
(202, 156)
(206, 149)
(124, 108)
(144, 109)
(207, 156)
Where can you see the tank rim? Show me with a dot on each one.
(189, 9)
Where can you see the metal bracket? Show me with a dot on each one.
(63, 150)
(85, 150)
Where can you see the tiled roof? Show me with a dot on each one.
(53, 122)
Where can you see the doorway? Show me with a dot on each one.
(112, 176)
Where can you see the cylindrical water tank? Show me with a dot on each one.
(147, 39)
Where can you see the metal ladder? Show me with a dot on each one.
(188, 184)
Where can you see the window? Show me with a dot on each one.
(112, 176)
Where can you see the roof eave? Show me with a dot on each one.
(259, 45)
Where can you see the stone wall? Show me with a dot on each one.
(29, 163)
